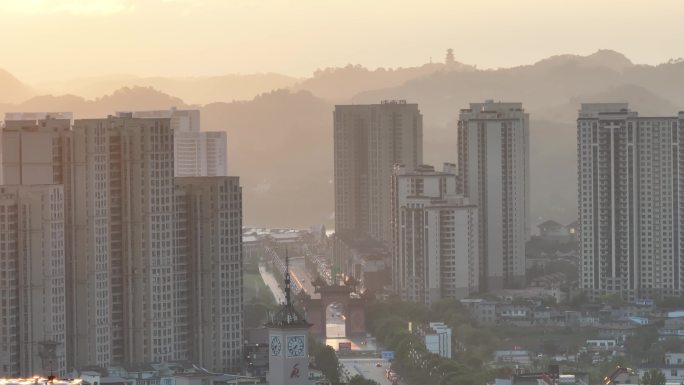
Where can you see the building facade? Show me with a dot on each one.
(33, 315)
(196, 152)
(152, 263)
(37, 150)
(369, 140)
(493, 161)
(200, 153)
(123, 181)
(208, 279)
(629, 200)
(436, 244)
(437, 337)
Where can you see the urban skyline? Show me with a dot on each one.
(209, 192)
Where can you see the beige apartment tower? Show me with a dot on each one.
(369, 140)
(152, 264)
(37, 150)
(32, 281)
(494, 170)
(208, 272)
(123, 181)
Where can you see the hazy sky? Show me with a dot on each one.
(49, 39)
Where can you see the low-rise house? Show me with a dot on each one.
(546, 316)
(437, 338)
(672, 327)
(515, 314)
(519, 357)
(482, 311)
(601, 345)
(553, 231)
(618, 330)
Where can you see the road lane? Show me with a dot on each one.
(367, 368)
(272, 284)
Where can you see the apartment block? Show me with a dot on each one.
(630, 200)
(123, 181)
(33, 312)
(436, 244)
(196, 152)
(368, 141)
(208, 279)
(37, 149)
(494, 171)
(152, 263)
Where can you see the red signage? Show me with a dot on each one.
(344, 346)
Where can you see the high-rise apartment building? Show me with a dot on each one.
(137, 241)
(37, 150)
(630, 202)
(493, 161)
(123, 183)
(196, 152)
(369, 140)
(208, 277)
(200, 153)
(436, 246)
(33, 312)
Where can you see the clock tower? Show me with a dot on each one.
(288, 362)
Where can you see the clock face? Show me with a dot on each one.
(276, 346)
(295, 346)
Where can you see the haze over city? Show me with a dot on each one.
(215, 37)
(304, 192)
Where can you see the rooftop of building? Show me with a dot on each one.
(490, 106)
(388, 103)
(549, 224)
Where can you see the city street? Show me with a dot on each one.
(335, 331)
(270, 281)
(301, 277)
(366, 367)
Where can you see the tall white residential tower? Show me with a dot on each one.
(630, 200)
(493, 161)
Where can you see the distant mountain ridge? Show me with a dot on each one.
(280, 141)
(195, 90)
(136, 98)
(12, 90)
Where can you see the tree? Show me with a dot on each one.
(673, 345)
(550, 347)
(326, 361)
(640, 343)
(358, 380)
(653, 377)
